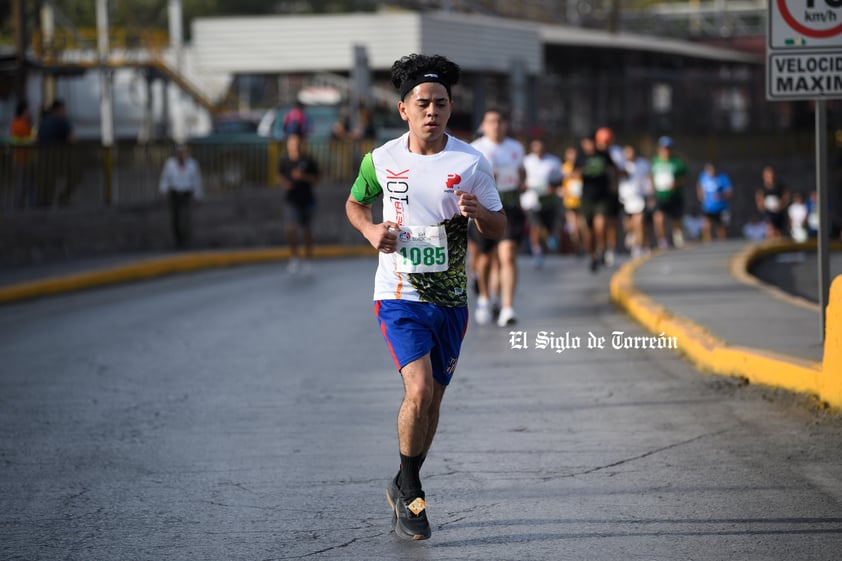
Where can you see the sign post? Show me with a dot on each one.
(804, 62)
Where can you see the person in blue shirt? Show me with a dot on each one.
(714, 190)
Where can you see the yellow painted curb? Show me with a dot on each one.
(711, 354)
(156, 267)
(831, 383)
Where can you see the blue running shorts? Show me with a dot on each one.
(413, 329)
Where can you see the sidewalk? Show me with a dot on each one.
(697, 284)
(729, 323)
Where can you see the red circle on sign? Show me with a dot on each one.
(801, 28)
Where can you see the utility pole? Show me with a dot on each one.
(106, 109)
(19, 22)
(48, 29)
(614, 16)
(179, 125)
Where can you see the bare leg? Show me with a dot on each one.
(483, 270)
(419, 413)
(658, 225)
(599, 234)
(292, 239)
(308, 242)
(706, 229)
(507, 254)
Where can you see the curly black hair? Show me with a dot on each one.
(412, 66)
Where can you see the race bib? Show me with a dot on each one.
(422, 249)
(508, 179)
(529, 200)
(628, 189)
(540, 187)
(664, 180)
(773, 203)
(573, 188)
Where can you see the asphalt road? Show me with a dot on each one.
(244, 414)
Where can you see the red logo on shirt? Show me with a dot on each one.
(453, 179)
(404, 174)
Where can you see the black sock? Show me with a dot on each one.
(409, 479)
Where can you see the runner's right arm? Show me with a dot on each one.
(382, 237)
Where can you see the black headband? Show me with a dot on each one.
(410, 84)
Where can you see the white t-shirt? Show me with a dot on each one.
(541, 172)
(418, 195)
(182, 178)
(635, 186)
(506, 160)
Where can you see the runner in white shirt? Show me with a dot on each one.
(506, 157)
(543, 177)
(431, 184)
(635, 186)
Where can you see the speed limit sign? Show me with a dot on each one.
(800, 24)
(804, 62)
(804, 50)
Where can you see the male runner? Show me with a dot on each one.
(506, 156)
(598, 174)
(540, 201)
(431, 184)
(669, 174)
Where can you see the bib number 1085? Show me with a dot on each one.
(427, 256)
(421, 249)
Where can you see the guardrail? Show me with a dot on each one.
(86, 175)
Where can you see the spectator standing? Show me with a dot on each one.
(56, 128)
(772, 199)
(359, 126)
(755, 229)
(669, 174)
(714, 191)
(55, 134)
(298, 173)
(506, 157)
(22, 136)
(295, 121)
(181, 183)
(539, 200)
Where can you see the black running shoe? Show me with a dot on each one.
(393, 492)
(409, 517)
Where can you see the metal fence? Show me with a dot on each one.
(86, 175)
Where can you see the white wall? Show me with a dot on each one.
(281, 44)
(284, 44)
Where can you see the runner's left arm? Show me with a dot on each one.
(491, 224)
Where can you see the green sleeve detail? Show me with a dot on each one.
(366, 188)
